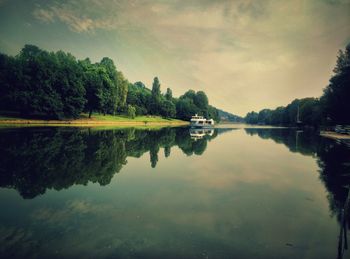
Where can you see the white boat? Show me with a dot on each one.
(198, 121)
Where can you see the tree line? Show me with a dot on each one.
(152, 101)
(57, 85)
(333, 107)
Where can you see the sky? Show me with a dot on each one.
(246, 55)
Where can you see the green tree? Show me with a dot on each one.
(156, 88)
(131, 111)
(122, 89)
(69, 85)
(201, 101)
(140, 97)
(185, 108)
(93, 86)
(168, 109)
(111, 92)
(156, 97)
(169, 94)
(336, 95)
(310, 111)
(36, 93)
(10, 78)
(251, 118)
(190, 94)
(264, 117)
(277, 116)
(50, 83)
(213, 113)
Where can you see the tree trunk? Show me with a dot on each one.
(90, 112)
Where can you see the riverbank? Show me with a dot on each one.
(95, 120)
(334, 135)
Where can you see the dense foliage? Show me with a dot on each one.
(57, 85)
(333, 107)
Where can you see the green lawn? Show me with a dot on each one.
(101, 117)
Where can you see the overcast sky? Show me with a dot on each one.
(246, 55)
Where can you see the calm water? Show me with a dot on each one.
(170, 193)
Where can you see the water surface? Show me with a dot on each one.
(170, 193)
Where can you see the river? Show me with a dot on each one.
(231, 192)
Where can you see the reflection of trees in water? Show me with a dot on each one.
(333, 159)
(33, 160)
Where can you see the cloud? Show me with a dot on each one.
(44, 15)
(75, 20)
(245, 54)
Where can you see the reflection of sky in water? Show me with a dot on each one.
(244, 197)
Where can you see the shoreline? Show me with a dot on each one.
(88, 123)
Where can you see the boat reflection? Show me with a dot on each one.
(200, 133)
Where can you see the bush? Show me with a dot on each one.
(131, 111)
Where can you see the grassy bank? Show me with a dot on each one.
(95, 120)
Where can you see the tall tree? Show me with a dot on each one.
(156, 88)
(336, 95)
(122, 89)
(169, 94)
(156, 96)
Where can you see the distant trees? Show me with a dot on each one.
(310, 113)
(229, 117)
(333, 107)
(56, 85)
